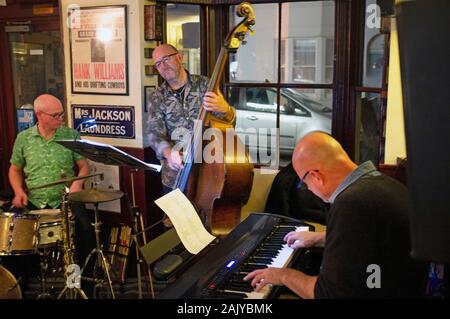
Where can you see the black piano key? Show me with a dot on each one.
(257, 259)
(269, 251)
(250, 268)
(231, 295)
(237, 287)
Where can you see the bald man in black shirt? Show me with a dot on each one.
(367, 241)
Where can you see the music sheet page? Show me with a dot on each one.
(186, 221)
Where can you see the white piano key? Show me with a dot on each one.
(282, 258)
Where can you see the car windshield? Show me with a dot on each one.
(307, 102)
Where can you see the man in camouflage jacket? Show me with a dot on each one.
(174, 106)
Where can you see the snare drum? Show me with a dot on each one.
(9, 287)
(18, 234)
(50, 224)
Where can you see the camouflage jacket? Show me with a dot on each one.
(172, 115)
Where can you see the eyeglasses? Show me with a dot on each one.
(301, 182)
(56, 116)
(164, 60)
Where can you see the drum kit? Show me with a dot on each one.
(41, 232)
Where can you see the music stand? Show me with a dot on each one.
(110, 155)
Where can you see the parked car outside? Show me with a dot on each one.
(256, 116)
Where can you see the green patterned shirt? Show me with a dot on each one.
(44, 162)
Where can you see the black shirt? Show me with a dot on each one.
(368, 225)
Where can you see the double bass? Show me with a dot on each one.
(220, 187)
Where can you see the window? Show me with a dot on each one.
(304, 61)
(370, 98)
(183, 32)
(256, 111)
(284, 75)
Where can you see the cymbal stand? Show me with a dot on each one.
(69, 290)
(140, 264)
(43, 265)
(101, 262)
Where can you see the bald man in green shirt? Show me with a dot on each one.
(38, 160)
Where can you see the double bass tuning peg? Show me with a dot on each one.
(240, 35)
(250, 23)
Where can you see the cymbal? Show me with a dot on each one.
(94, 196)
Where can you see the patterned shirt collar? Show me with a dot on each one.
(366, 169)
(35, 132)
(166, 87)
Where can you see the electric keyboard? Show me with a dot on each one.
(255, 243)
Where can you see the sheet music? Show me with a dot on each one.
(186, 221)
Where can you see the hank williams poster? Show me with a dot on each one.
(98, 49)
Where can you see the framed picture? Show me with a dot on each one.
(147, 91)
(98, 50)
(153, 22)
(150, 70)
(148, 53)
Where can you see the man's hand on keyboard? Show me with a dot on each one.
(305, 239)
(265, 277)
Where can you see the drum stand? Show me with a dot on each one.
(43, 265)
(70, 289)
(54, 253)
(101, 263)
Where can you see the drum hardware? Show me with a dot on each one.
(43, 265)
(65, 236)
(101, 265)
(109, 155)
(50, 246)
(71, 289)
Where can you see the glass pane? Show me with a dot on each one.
(307, 42)
(256, 114)
(370, 130)
(257, 60)
(300, 112)
(183, 32)
(373, 47)
(36, 66)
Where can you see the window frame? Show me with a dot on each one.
(279, 84)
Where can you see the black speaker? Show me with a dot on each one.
(191, 35)
(424, 46)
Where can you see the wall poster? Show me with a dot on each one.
(98, 50)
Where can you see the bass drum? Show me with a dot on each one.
(9, 287)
